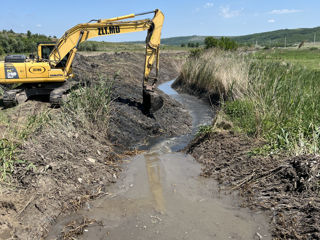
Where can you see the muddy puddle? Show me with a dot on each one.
(160, 195)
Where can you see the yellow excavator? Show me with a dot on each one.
(50, 72)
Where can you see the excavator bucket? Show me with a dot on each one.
(152, 101)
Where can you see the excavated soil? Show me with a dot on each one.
(286, 187)
(126, 95)
(67, 167)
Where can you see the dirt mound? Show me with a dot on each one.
(128, 124)
(65, 167)
(288, 188)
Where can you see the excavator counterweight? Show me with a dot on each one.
(50, 72)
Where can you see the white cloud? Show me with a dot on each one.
(284, 11)
(39, 25)
(208, 5)
(271, 21)
(226, 12)
(197, 9)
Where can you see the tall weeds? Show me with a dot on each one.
(217, 72)
(89, 106)
(278, 102)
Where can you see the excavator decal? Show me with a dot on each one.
(37, 70)
(108, 30)
(11, 71)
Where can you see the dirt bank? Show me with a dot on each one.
(286, 187)
(65, 167)
(126, 94)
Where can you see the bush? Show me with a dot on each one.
(210, 42)
(196, 53)
(223, 43)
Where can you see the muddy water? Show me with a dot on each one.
(160, 195)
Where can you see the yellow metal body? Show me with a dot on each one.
(48, 70)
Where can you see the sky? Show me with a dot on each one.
(182, 18)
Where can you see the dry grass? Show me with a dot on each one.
(217, 72)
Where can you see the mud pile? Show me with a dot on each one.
(63, 168)
(287, 188)
(128, 125)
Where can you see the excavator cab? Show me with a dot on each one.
(44, 50)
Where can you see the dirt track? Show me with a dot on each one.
(74, 166)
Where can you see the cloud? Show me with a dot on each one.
(284, 11)
(208, 5)
(226, 12)
(38, 25)
(271, 21)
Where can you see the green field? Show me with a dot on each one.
(308, 57)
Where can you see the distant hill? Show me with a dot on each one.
(266, 38)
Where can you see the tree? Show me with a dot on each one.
(210, 42)
(183, 45)
(28, 33)
(223, 43)
(1, 51)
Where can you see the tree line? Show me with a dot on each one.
(11, 42)
(223, 43)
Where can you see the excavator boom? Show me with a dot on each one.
(70, 41)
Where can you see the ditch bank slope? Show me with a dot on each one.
(287, 188)
(65, 167)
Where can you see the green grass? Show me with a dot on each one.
(308, 58)
(8, 158)
(279, 100)
(89, 106)
(282, 106)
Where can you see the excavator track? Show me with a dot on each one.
(13, 97)
(58, 95)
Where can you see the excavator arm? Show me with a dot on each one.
(69, 42)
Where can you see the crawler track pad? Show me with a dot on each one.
(152, 101)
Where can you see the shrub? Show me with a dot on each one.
(223, 43)
(210, 42)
